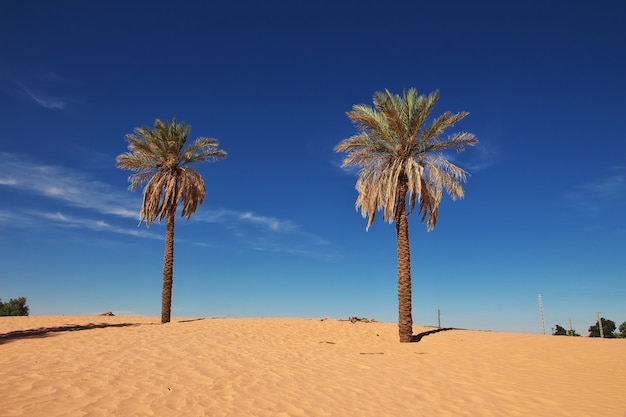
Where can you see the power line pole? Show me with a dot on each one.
(543, 324)
(439, 318)
(600, 325)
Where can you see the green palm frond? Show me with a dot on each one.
(160, 160)
(369, 119)
(393, 147)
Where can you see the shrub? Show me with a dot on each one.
(608, 329)
(14, 307)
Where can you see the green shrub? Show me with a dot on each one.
(14, 307)
(608, 329)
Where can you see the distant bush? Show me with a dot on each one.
(608, 329)
(560, 331)
(14, 307)
(622, 330)
(572, 332)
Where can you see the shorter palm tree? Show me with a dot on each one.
(402, 165)
(159, 157)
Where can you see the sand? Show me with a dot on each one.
(133, 366)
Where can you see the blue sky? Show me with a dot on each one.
(278, 234)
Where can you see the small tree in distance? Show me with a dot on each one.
(560, 331)
(572, 332)
(14, 307)
(622, 330)
(608, 329)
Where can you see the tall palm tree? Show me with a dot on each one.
(159, 157)
(400, 156)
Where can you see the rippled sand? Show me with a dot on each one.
(133, 366)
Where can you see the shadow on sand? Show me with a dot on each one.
(417, 337)
(50, 331)
(190, 320)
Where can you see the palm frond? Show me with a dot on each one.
(159, 158)
(423, 107)
(394, 148)
(202, 150)
(391, 109)
(369, 119)
(440, 124)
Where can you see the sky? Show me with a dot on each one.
(278, 234)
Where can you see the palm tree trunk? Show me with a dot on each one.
(405, 319)
(168, 269)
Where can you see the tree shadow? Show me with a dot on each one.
(51, 331)
(418, 337)
(190, 320)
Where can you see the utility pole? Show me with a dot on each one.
(600, 325)
(543, 324)
(439, 318)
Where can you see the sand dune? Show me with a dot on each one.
(133, 366)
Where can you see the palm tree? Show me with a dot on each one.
(399, 155)
(159, 157)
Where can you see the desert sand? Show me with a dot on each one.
(134, 366)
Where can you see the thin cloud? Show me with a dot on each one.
(75, 189)
(600, 194)
(43, 100)
(8, 217)
(480, 157)
(34, 218)
(279, 236)
(64, 220)
(63, 184)
(610, 187)
(232, 217)
(296, 246)
(8, 181)
(271, 223)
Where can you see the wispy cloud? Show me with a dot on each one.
(71, 188)
(13, 218)
(600, 194)
(231, 217)
(266, 233)
(611, 186)
(75, 189)
(480, 157)
(96, 225)
(43, 100)
(271, 223)
(26, 219)
(8, 181)
(65, 185)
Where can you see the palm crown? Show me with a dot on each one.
(159, 157)
(395, 149)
